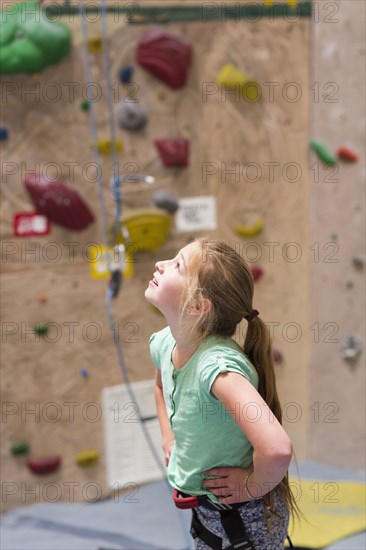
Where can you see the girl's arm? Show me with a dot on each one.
(272, 448)
(166, 431)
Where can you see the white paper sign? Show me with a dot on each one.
(196, 214)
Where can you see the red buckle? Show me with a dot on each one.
(184, 502)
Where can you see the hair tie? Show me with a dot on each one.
(251, 315)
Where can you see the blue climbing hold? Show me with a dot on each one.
(4, 134)
(84, 373)
(125, 74)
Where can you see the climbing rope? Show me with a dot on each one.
(116, 183)
(92, 121)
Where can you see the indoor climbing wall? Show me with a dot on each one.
(223, 132)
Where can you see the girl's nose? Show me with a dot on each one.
(159, 266)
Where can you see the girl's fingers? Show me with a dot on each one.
(221, 492)
(222, 472)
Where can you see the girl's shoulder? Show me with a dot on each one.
(225, 355)
(160, 343)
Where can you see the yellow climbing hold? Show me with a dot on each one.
(87, 458)
(148, 228)
(104, 260)
(291, 3)
(234, 79)
(95, 45)
(250, 230)
(105, 146)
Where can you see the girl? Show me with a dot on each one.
(220, 417)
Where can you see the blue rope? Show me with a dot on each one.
(117, 195)
(92, 121)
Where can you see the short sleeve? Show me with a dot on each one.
(154, 350)
(160, 343)
(218, 365)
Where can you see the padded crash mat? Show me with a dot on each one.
(333, 510)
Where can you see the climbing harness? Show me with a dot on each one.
(229, 516)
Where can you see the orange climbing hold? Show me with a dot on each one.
(345, 153)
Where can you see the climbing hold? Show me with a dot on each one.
(132, 116)
(166, 56)
(60, 202)
(251, 230)
(21, 448)
(351, 348)
(148, 228)
(350, 284)
(277, 356)
(323, 153)
(85, 105)
(173, 151)
(345, 153)
(166, 201)
(42, 466)
(31, 41)
(87, 458)
(358, 262)
(236, 80)
(84, 373)
(257, 272)
(125, 74)
(105, 146)
(95, 45)
(41, 330)
(41, 298)
(4, 134)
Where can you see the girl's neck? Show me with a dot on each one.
(186, 345)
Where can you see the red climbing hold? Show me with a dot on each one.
(345, 153)
(42, 466)
(173, 151)
(166, 56)
(59, 202)
(257, 273)
(277, 356)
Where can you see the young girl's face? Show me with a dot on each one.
(170, 281)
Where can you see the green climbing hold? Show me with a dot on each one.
(21, 448)
(323, 153)
(29, 40)
(85, 105)
(41, 330)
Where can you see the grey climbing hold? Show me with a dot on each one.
(358, 262)
(132, 116)
(167, 202)
(351, 347)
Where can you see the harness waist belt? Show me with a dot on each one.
(184, 502)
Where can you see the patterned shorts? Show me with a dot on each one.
(262, 537)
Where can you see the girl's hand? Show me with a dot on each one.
(168, 448)
(228, 485)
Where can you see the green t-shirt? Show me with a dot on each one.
(206, 435)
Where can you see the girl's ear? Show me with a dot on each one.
(198, 307)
